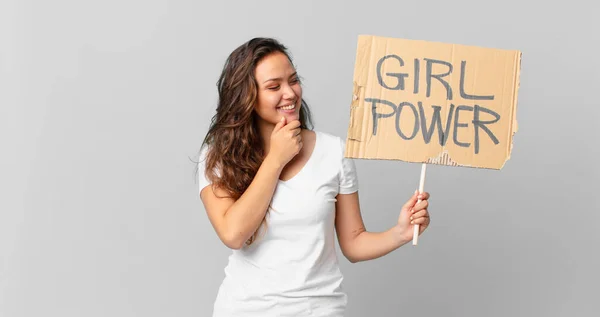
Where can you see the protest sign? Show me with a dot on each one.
(430, 102)
(433, 103)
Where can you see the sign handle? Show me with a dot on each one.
(421, 186)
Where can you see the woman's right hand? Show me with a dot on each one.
(286, 141)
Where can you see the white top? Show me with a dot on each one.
(292, 269)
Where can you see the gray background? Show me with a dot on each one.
(104, 105)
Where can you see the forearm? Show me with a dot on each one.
(244, 217)
(371, 245)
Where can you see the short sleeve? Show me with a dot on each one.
(348, 177)
(202, 180)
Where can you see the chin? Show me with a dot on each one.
(289, 116)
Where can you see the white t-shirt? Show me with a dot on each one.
(292, 269)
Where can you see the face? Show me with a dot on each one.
(279, 90)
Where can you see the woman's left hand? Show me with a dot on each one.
(413, 213)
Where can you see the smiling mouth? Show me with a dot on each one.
(289, 107)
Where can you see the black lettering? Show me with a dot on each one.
(463, 94)
(417, 69)
(457, 125)
(377, 115)
(416, 114)
(436, 120)
(478, 124)
(400, 76)
(429, 75)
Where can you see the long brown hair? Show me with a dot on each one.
(235, 147)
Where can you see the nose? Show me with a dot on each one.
(288, 92)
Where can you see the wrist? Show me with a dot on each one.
(401, 236)
(273, 164)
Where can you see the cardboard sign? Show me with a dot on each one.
(435, 103)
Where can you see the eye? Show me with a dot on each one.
(273, 87)
(295, 80)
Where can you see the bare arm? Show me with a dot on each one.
(358, 244)
(236, 221)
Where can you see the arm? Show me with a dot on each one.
(358, 244)
(236, 221)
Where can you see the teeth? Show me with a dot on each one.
(290, 107)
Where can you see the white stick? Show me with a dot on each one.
(421, 186)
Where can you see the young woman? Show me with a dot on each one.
(275, 190)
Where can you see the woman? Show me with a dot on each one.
(275, 190)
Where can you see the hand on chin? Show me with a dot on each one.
(289, 116)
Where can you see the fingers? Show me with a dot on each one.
(420, 206)
(295, 134)
(412, 201)
(299, 144)
(419, 218)
(294, 130)
(419, 214)
(424, 221)
(293, 125)
(280, 124)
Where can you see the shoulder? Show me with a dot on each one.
(334, 148)
(202, 156)
(203, 160)
(332, 141)
(201, 168)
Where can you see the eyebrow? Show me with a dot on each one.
(279, 78)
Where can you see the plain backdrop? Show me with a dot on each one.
(104, 105)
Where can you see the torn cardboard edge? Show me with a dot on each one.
(385, 69)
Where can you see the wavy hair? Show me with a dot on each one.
(235, 147)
